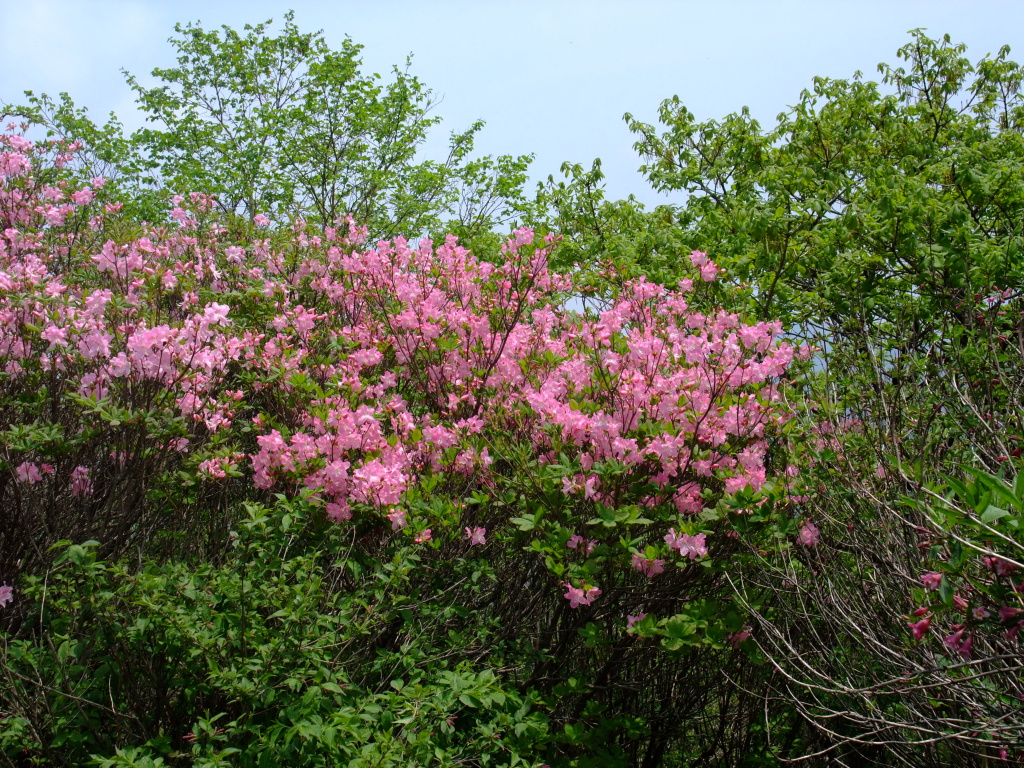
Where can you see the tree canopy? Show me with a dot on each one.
(285, 125)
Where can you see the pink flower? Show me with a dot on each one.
(56, 336)
(95, 344)
(953, 642)
(422, 537)
(476, 536)
(578, 542)
(338, 512)
(83, 196)
(965, 648)
(14, 164)
(1006, 613)
(919, 628)
(999, 565)
(260, 220)
(28, 473)
(214, 314)
(649, 568)
(6, 594)
(738, 637)
(631, 620)
(809, 534)
(397, 519)
(692, 546)
(577, 596)
(81, 485)
(931, 580)
(215, 468)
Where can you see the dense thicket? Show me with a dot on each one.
(272, 496)
(882, 223)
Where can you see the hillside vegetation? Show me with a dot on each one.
(314, 452)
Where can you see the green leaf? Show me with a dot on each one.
(992, 514)
(945, 591)
(525, 523)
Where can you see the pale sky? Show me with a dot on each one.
(552, 78)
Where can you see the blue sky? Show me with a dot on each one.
(552, 78)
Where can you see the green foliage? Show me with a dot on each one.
(273, 656)
(608, 242)
(862, 198)
(882, 223)
(288, 126)
(979, 522)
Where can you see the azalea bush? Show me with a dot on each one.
(272, 490)
(563, 492)
(881, 223)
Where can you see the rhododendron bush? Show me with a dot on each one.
(418, 404)
(361, 377)
(880, 222)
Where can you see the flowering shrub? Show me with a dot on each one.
(974, 540)
(428, 406)
(924, 508)
(366, 379)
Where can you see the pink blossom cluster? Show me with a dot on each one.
(584, 545)
(220, 467)
(355, 373)
(81, 484)
(30, 473)
(476, 536)
(649, 567)
(958, 642)
(931, 580)
(686, 545)
(809, 534)
(578, 596)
